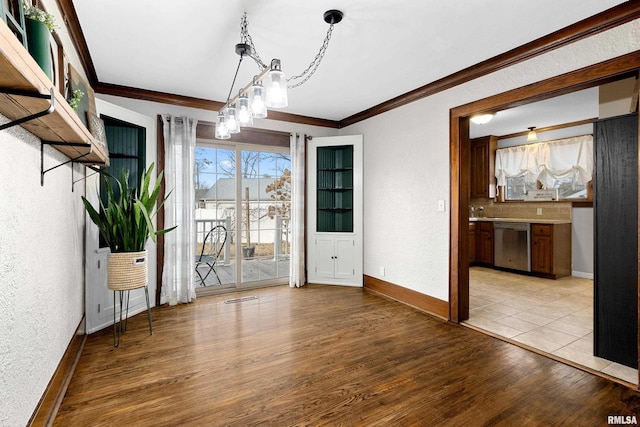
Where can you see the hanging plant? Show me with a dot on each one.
(36, 14)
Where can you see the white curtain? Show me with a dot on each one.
(178, 284)
(516, 161)
(547, 161)
(297, 265)
(564, 158)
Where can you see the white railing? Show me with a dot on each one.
(204, 225)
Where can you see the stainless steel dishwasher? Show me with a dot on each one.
(512, 245)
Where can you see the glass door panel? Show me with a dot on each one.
(265, 216)
(248, 192)
(215, 195)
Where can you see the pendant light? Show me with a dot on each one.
(276, 86)
(222, 132)
(252, 100)
(256, 100)
(531, 135)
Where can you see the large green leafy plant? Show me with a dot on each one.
(125, 221)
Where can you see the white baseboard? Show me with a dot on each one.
(582, 274)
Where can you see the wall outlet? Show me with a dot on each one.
(441, 206)
(539, 211)
(381, 271)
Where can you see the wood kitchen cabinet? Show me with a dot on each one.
(484, 242)
(551, 250)
(483, 158)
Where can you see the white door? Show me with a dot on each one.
(344, 257)
(325, 253)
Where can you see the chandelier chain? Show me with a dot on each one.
(313, 66)
(306, 74)
(245, 37)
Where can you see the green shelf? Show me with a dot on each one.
(334, 211)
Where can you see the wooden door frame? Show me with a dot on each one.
(591, 76)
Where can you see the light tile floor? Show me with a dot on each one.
(554, 316)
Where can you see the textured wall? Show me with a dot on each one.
(41, 279)
(406, 158)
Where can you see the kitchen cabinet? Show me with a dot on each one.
(484, 242)
(334, 219)
(472, 242)
(615, 209)
(483, 158)
(551, 250)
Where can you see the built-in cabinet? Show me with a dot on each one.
(616, 239)
(334, 219)
(483, 154)
(551, 250)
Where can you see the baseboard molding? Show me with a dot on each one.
(407, 296)
(45, 413)
(582, 274)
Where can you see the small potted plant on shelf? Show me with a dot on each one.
(125, 222)
(38, 26)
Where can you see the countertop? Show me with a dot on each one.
(529, 220)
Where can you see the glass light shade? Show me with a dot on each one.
(531, 135)
(222, 131)
(232, 121)
(243, 111)
(276, 89)
(482, 119)
(256, 101)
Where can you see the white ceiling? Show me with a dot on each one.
(381, 49)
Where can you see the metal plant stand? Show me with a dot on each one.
(120, 327)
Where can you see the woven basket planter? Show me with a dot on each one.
(127, 270)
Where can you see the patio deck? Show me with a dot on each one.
(253, 269)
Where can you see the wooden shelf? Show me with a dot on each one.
(20, 72)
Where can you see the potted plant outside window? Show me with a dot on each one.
(125, 222)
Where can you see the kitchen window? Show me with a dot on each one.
(563, 164)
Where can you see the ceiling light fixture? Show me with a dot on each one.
(531, 135)
(268, 89)
(481, 119)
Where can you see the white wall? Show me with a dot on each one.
(41, 265)
(407, 164)
(41, 270)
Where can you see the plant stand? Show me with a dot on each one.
(127, 271)
(119, 328)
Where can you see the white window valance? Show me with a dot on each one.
(547, 161)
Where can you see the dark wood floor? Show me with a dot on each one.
(324, 356)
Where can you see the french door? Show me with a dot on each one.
(246, 192)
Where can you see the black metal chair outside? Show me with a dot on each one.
(212, 246)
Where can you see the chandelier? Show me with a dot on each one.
(268, 89)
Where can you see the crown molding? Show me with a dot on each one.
(603, 21)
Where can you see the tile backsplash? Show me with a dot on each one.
(549, 210)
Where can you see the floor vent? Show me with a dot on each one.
(243, 299)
